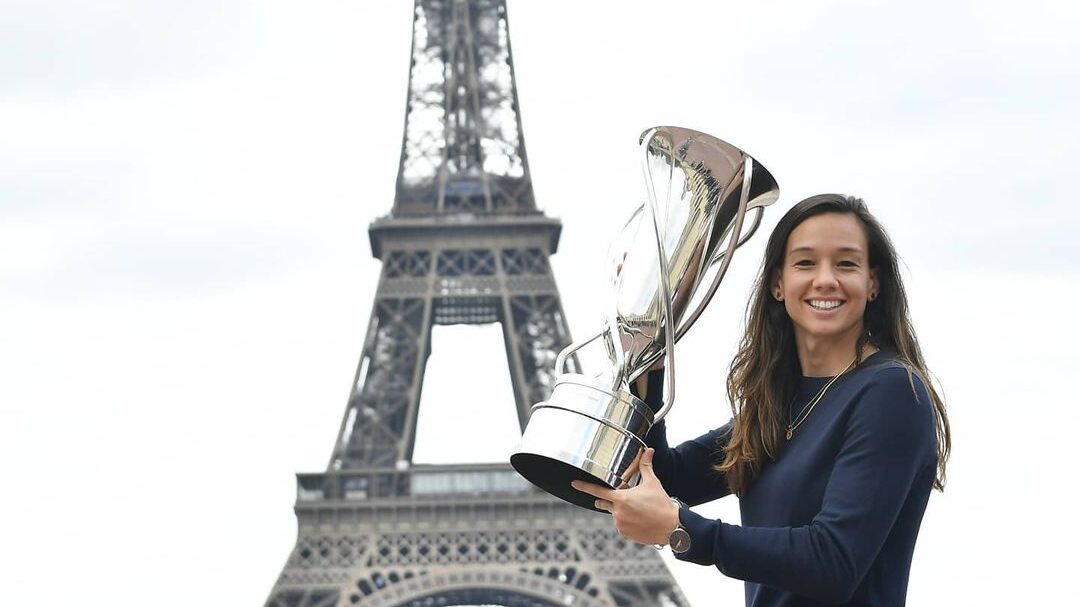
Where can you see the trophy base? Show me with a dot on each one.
(584, 433)
(554, 476)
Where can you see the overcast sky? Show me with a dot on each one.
(185, 276)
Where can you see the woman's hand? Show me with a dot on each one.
(631, 471)
(643, 513)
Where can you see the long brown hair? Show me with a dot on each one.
(765, 372)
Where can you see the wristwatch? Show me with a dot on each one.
(678, 539)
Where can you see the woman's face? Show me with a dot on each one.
(826, 279)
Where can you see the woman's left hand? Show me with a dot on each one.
(643, 513)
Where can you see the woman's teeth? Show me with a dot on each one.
(822, 304)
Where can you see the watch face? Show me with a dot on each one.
(679, 540)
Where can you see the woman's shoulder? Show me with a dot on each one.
(894, 395)
(888, 373)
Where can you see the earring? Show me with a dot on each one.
(779, 295)
(873, 296)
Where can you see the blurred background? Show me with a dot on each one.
(185, 275)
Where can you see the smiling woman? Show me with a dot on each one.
(837, 437)
(829, 293)
(825, 283)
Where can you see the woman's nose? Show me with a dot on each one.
(825, 277)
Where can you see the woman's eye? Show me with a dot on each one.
(848, 264)
(803, 263)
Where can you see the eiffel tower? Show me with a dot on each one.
(464, 243)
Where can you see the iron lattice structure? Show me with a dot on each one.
(464, 243)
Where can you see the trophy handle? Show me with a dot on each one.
(755, 223)
(560, 360)
(737, 240)
(663, 279)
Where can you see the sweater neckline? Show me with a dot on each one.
(813, 383)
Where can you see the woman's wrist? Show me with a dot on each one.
(675, 523)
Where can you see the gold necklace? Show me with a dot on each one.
(805, 413)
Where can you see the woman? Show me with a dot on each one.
(837, 435)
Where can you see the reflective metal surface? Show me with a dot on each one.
(583, 432)
(666, 265)
(698, 184)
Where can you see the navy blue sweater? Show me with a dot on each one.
(833, 519)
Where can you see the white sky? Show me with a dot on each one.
(185, 277)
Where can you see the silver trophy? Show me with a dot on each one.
(699, 190)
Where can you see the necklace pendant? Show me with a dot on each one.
(789, 433)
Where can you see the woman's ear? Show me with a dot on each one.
(777, 287)
(875, 287)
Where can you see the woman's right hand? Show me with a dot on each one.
(644, 513)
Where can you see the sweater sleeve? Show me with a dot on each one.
(685, 471)
(889, 433)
